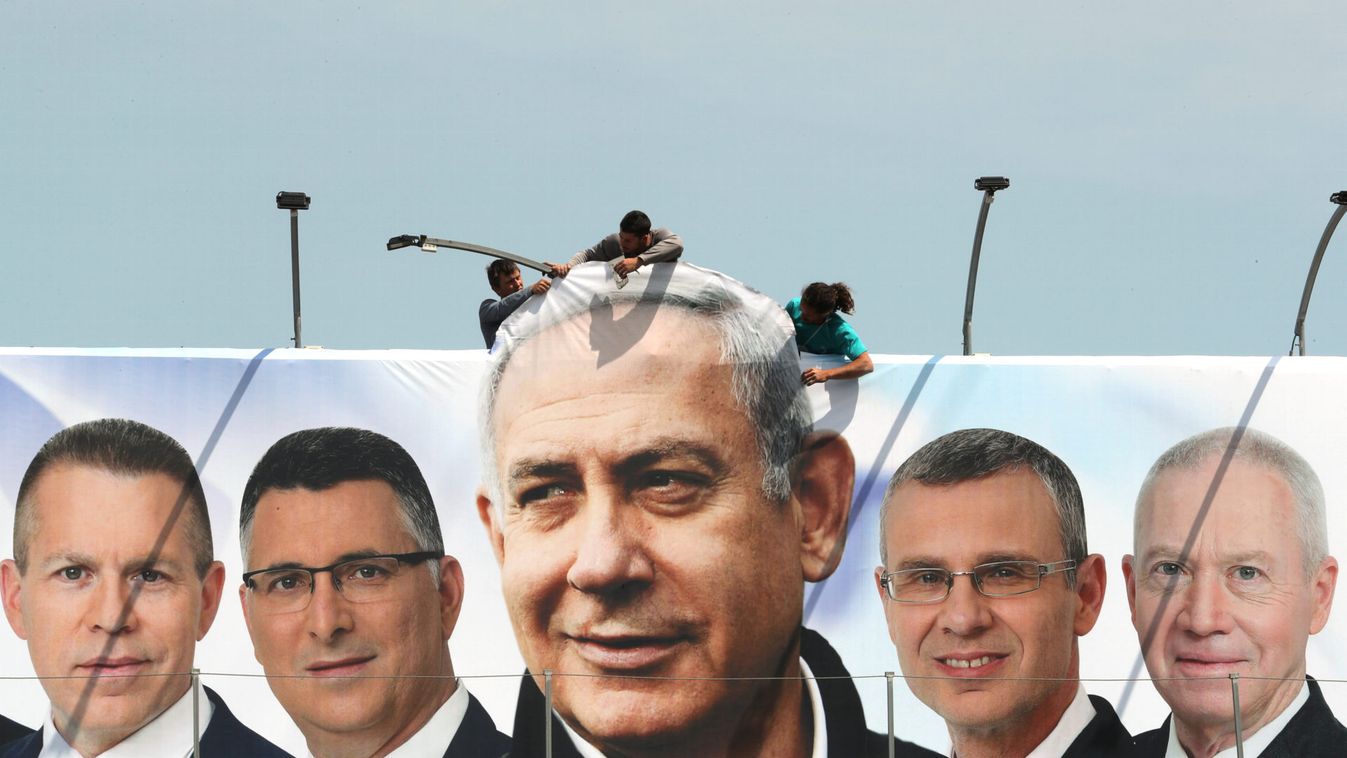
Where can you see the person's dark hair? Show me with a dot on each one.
(319, 459)
(974, 453)
(498, 268)
(125, 448)
(636, 223)
(826, 298)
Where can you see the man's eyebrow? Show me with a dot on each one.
(921, 562)
(353, 555)
(1005, 556)
(538, 468)
(664, 449)
(149, 561)
(1161, 552)
(67, 558)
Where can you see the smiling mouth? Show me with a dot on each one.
(113, 666)
(967, 663)
(627, 652)
(343, 667)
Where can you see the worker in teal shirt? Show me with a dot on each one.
(820, 330)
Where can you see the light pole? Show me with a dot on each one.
(988, 185)
(433, 245)
(294, 202)
(1298, 340)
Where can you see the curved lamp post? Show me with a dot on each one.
(989, 185)
(433, 244)
(1298, 341)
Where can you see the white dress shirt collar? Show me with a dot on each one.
(820, 747)
(1077, 716)
(169, 735)
(1253, 744)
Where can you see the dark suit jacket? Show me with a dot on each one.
(225, 737)
(1312, 732)
(1105, 735)
(477, 736)
(12, 730)
(847, 735)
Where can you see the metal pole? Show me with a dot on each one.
(1299, 339)
(973, 274)
(547, 695)
(1239, 729)
(196, 713)
(294, 269)
(888, 676)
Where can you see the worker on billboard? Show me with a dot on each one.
(1230, 576)
(819, 329)
(656, 516)
(987, 585)
(508, 284)
(350, 600)
(113, 582)
(634, 245)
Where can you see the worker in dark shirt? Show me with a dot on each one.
(508, 284)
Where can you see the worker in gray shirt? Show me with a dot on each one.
(635, 243)
(508, 284)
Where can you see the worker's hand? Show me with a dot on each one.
(559, 270)
(626, 266)
(541, 286)
(814, 375)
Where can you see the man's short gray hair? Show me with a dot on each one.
(756, 339)
(1260, 448)
(975, 453)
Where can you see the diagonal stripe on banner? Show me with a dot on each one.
(872, 475)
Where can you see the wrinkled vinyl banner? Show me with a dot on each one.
(577, 388)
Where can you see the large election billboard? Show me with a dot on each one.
(639, 503)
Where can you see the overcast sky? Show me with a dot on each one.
(1170, 164)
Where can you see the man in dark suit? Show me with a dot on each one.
(656, 497)
(1255, 581)
(113, 583)
(11, 730)
(350, 600)
(987, 584)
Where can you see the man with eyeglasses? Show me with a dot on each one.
(112, 584)
(986, 584)
(1231, 576)
(350, 600)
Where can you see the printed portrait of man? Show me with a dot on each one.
(1231, 575)
(987, 584)
(656, 498)
(113, 582)
(350, 600)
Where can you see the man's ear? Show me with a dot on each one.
(1321, 592)
(1091, 579)
(1130, 580)
(451, 593)
(490, 515)
(212, 589)
(10, 581)
(822, 487)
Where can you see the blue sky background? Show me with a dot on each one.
(1170, 164)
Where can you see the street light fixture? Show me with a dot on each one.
(988, 186)
(294, 202)
(433, 244)
(1298, 340)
